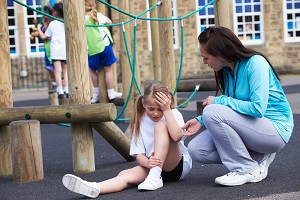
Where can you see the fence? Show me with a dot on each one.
(28, 73)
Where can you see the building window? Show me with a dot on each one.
(291, 19)
(248, 21)
(205, 17)
(174, 23)
(32, 18)
(12, 26)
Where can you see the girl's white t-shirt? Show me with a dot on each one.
(56, 31)
(145, 142)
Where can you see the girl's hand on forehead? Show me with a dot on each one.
(164, 101)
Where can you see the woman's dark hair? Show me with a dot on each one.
(221, 41)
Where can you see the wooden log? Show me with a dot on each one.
(5, 152)
(53, 99)
(6, 100)
(188, 85)
(155, 42)
(125, 66)
(64, 101)
(26, 148)
(223, 13)
(167, 47)
(119, 101)
(82, 148)
(114, 136)
(60, 114)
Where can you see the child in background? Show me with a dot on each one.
(56, 33)
(100, 50)
(156, 142)
(48, 62)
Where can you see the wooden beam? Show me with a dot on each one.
(60, 114)
(114, 136)
(189, 85)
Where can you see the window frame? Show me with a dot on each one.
(285, 12)
(39, 46)
(13, 28)
(243, 23)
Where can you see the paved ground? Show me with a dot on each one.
(281, 183)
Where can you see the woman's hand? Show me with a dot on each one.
(209, 100)
(192, 127)
(163, 101)
(154, 161)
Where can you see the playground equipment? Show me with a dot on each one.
(82, 140)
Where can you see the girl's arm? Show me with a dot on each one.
(41, 34)
(148, 163)
(174, 128)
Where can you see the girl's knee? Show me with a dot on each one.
(124, 172)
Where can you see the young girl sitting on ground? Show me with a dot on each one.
(156, 142)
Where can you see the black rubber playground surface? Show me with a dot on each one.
(283, 181)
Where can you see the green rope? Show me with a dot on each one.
(189, 99)
(181, 58)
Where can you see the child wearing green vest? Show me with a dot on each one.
(100, 52)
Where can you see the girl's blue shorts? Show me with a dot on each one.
(103, 59)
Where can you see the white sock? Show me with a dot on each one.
(66, 89)
(110, 91)
(60, 90)
(155, 173)
(96, 91)
(53, 83)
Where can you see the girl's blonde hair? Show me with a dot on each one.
(90, 7)
(150, 89)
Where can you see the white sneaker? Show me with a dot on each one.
(150, 184)
(95, 99)
(233, 179)
(77, 185)
(264, 165)
(113, 95)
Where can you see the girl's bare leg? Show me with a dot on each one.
(133, 176)
(165, 148)
(65, 73)
(57, 73)
(109, 77)
(94, 77)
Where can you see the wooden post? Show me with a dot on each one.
(53, 99)
(114, 136)
(126, 72)
(155, 42)
(6, 100)
(101, 73)
(26, 148)
(167, 47)
(78, 74)
(223, 13)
